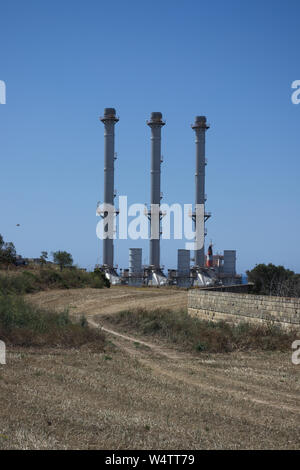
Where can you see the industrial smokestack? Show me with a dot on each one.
(109, 120)
(155, 124)
(200, 126)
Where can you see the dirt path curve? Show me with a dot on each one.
(238, 381)
(230, 386)
(94, 303)
(154, 347)
(109, 301)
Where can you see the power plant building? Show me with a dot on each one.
(206, 270)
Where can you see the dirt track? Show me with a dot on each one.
(108, 301)
(143, 394)
(95, 303)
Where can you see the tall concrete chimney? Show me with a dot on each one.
(200, 127)
(155, 124)
(109, 120)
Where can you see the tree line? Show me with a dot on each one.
(269, 279)
(8, 256)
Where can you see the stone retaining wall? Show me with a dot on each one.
(210, 305)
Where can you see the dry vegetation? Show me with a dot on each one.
(24, 281)
(193, 334)
(22, 324)
(153, 396)
(131, 398)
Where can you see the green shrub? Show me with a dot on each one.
(25, 325)
(269, 279)
(27, 282)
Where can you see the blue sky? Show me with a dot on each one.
(233, 61)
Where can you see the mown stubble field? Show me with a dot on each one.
(144, 396)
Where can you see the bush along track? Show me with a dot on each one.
(22, 324)
(192, 334)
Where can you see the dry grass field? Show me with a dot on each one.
(141, 393)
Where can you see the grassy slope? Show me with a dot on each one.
(192, 334)
(22, 324)
(27, 281)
